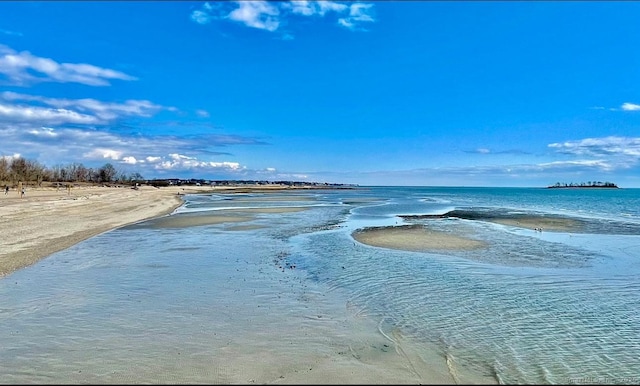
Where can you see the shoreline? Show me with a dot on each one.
(47, 220)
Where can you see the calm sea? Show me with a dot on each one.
(160, 302)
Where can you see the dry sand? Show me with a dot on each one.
(414, 238)
(47, 220)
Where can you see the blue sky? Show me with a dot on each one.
(371, 93)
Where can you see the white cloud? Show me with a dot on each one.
(257, 14)
(327, 6)
(310, 8)
(304, 8)
(153, 159)
(630, 107)
(101, 153)
(85, 111)
(358, 13)
(11, 157)
(19, 67)
(177, 161)
(130, 160)
(44, 132)
(270, 16)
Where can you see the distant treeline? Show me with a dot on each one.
(18, 169)
(201, 182)
(589, 184)
(14, 170)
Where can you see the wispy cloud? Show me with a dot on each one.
(19, 69)
(359, 13)
(578, 164)
(271, 16)
(35, 114)
(483, 150)
(202, 113)
(200, 17)
(311, 8)
(612, 146)
(480, 150)
(10, 33)
(71, 110)
(541, 174)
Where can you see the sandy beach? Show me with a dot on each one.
(47, 220)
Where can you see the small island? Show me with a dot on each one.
(590, 184)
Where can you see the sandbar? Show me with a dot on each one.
(414, 238)
(190, 220)
(533, 222)
(549, 224)
(280, 209)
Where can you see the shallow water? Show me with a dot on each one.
(151, 303)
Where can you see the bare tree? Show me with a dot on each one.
(18, 169)
(107, 173)
(5, 168)
(35, 172)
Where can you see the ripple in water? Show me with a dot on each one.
(540, 317)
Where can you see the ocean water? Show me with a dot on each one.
(160, 302)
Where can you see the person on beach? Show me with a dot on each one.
(6, 190)
(22, 193)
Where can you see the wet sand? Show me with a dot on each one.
(191, 220)
(545, 224)
(556, 224)
(284, 209)
(414, 238)
(274, 198)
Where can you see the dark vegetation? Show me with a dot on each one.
(590, 184)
